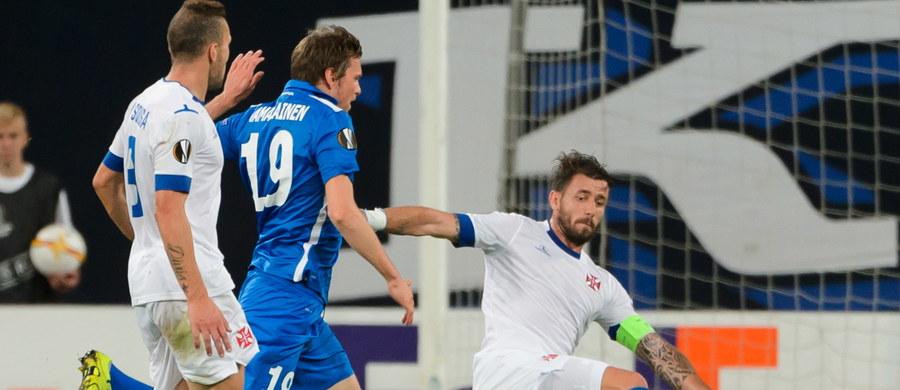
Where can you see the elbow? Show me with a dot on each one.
(167, 218)
(99, 184)
(169, 204)
(343, 216)
(165, 211)
(161, 214)
(106, 181)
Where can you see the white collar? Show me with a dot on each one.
(12, 184)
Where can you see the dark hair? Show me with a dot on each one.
(323, 48)
(197, 24)
(574, 162)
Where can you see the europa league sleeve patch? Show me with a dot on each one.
(347, 138)
(182, 151)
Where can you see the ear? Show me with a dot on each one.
(329, 80)
(212, 52)
(553, 198)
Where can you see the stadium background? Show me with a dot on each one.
(76, 66)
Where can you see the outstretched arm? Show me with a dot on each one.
(668, 362)
(344, 213)
(417, 221)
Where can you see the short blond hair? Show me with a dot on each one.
(9, 111)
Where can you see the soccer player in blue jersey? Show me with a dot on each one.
(297, 157)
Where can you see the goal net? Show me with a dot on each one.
(755, 148)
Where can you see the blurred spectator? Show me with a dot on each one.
(30, 198)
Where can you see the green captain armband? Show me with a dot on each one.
(630, 332)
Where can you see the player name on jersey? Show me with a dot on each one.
(139, 115)
(280, 111)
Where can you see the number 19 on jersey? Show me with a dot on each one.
(281, 165)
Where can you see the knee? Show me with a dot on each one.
(615, 379)
(634, 381)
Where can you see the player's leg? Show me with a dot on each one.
(194, 365)
(282, 319)
(99, 373)
(163, 368)
(577, 372)
(233, 382)
(617, 378)
(121, 381)
(512, 369)
(324, 364)
(350, 383)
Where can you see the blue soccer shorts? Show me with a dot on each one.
(297, 349)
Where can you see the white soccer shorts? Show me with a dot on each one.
(166, 332)
(521, 370)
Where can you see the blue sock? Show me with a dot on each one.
(118, 380)
(639, 388)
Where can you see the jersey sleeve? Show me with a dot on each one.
(115, 156)
(489, 232)
(335, 147)
(173, 165)
(617, 305)
(228, 135)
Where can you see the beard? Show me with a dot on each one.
(573, 234)
(216, 77)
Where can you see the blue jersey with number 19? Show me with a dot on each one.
(287, 150)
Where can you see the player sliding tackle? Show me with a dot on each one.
(541, 290)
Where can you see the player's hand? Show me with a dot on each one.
(402, 294)
(63, 283)
(208, 323)
(242, 76)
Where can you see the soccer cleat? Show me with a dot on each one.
(94, 371)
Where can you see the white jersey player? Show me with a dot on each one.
(167, 141)
(542, 291)
(160, 184)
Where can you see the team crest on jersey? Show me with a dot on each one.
(347, 139)
(244, 337)
(182, 151)
(592, 281)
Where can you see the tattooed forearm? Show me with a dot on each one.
(455, 238)
(176, 258)
(665, 359)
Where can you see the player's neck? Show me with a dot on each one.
(194, 76)
(12, 169)
(562, 237)
(324, 87)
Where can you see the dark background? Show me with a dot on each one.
(75, 66)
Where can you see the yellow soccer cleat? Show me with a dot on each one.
(94, 371)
